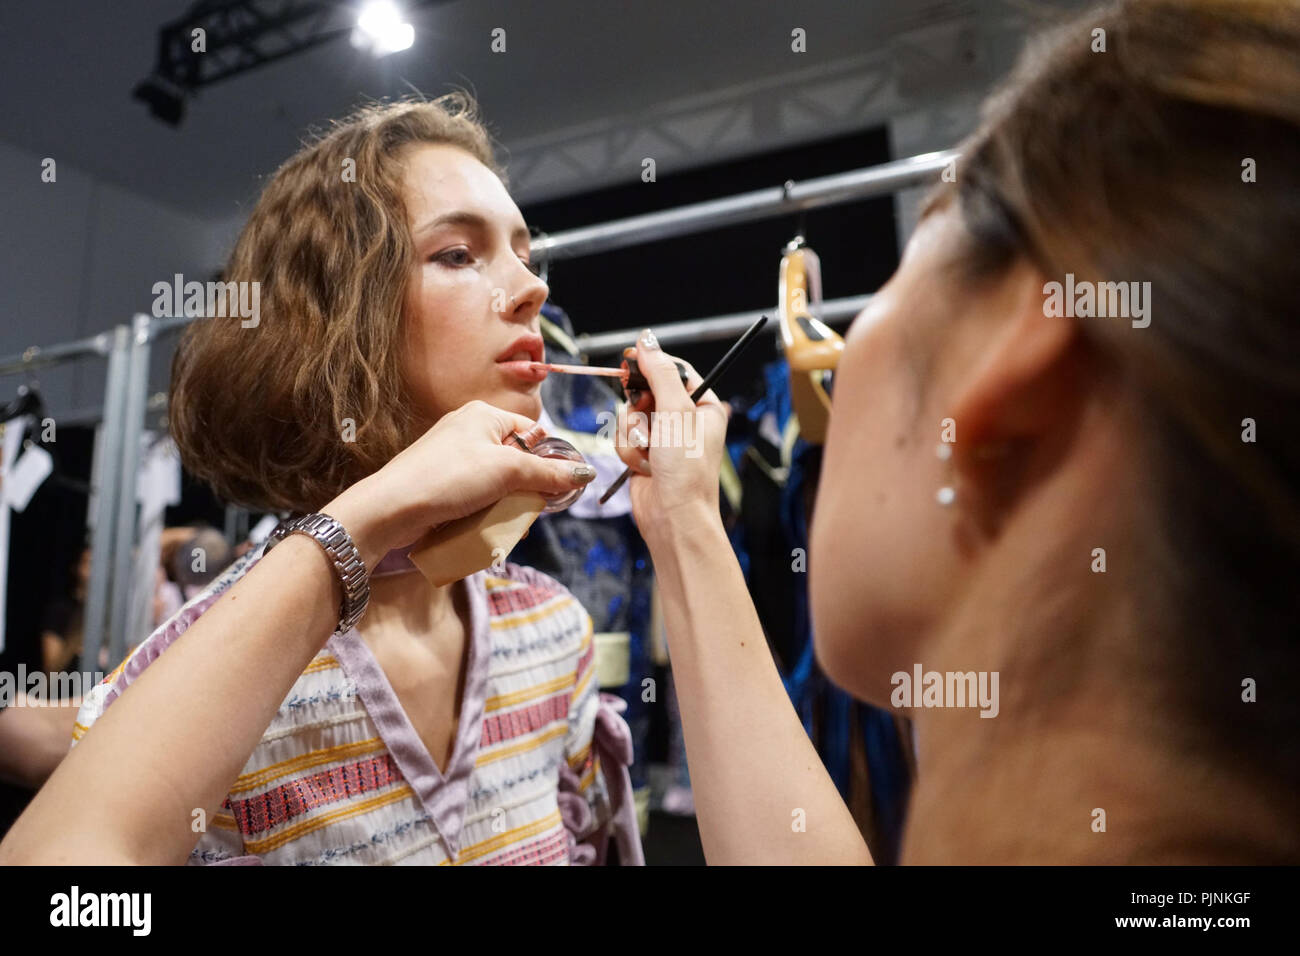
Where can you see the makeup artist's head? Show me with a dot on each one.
(395, 285)
(1076, 436)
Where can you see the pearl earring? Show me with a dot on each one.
(946, 495)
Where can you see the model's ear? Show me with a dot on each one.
(1024, 386)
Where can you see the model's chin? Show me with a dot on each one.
(527, 403)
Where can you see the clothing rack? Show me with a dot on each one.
(759, 204)
(132, 409)
(35, 357)
(746, 207)
(690, 331)
(113, 345)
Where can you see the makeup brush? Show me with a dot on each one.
(706, 383)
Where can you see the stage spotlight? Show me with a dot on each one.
(382, 29)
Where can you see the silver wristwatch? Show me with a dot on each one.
(331, 536)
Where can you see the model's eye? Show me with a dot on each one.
(452, 257)
(534, 267)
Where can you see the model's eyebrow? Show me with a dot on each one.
(472, 220)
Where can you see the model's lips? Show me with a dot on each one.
(517, 360)
(526, 348)
(525, 370)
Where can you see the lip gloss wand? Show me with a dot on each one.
(629, 375)
(707, 383)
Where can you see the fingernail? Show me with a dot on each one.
(583, 473)
(648, 340)
(638, 439)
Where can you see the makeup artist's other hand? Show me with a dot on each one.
(459, 466)
(679, 485)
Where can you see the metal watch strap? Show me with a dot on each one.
(338, 544)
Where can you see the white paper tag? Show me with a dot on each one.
(14, 432)
(158, 482)
(262, 530)
(32, 468)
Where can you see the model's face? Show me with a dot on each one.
(472, 304)
(877, 568)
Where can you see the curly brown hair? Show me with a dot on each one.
(261, 413)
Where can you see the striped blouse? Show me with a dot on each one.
(538, 773)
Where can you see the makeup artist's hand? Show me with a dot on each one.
(459, 466)
(675, 481)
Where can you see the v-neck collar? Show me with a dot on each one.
(444, 796)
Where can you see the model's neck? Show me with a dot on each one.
(400, 595)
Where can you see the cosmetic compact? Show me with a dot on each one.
(551, 447)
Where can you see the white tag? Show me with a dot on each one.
(26, 476)
(158, 482)
(14, 432)
(262, 530)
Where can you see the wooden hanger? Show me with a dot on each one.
(812, 349)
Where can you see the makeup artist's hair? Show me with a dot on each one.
(1130, 165)
(259, 413)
